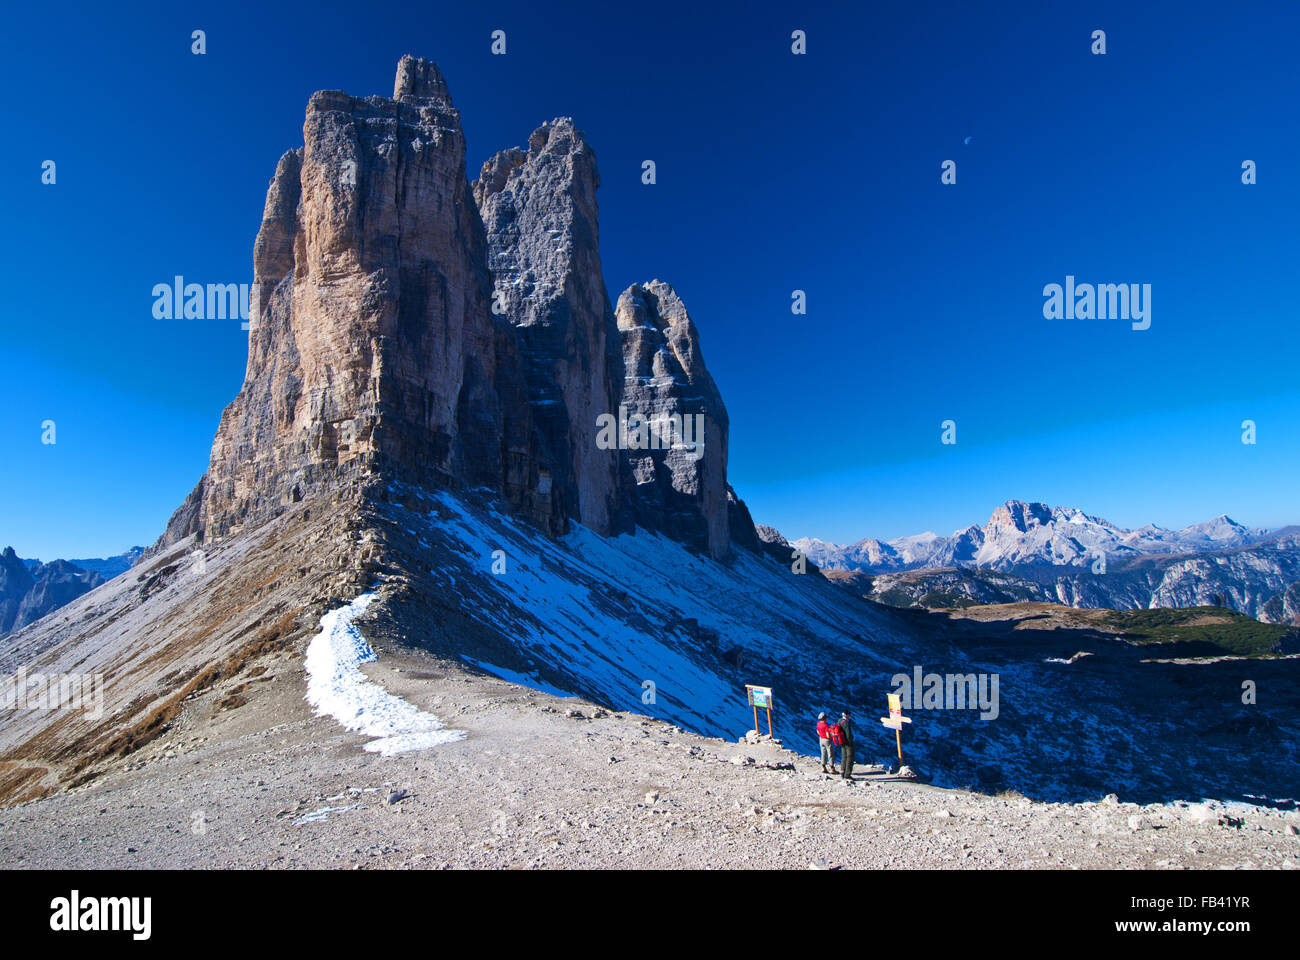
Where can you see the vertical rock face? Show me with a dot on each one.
(374, 347)
(539, 210)
(681, 490)
(375, 353)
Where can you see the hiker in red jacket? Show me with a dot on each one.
(824, 738)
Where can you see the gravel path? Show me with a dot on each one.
(268, 785)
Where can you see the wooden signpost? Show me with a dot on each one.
(895, 721)
(760, 697)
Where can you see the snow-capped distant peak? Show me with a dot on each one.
(917, 538)
(1021, 533)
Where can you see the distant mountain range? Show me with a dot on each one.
(29, 589)
(1032, 551)
(1020, 533)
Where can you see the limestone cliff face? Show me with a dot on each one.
(376, 354)
(374, 348)
(539, 209)
(681, 487)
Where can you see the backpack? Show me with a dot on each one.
(837, 735)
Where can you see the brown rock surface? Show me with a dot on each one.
(375, 351)
(374, 348)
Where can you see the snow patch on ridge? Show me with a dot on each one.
(336, 687)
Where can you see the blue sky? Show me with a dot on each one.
(775, 172)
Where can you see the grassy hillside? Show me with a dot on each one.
(1190, 633)
(1233, 632)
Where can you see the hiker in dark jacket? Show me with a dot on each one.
(846, 748)
(824, 739)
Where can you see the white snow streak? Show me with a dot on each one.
(336, 687)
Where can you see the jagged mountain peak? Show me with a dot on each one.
(560, 136)
(557, 140)
(1022, 515)
(419, 79)
(414, 335)
(416, 327)
(657, 306)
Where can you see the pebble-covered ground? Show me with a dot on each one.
(268, 785)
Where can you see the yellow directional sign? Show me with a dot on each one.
(895, 720)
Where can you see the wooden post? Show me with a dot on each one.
(898, 738)
(769, 721)
(755, 719)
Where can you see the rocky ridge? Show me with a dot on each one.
(29, 592)
(409, 331)
(416, 327)
(1059, 554)
(1021, 534)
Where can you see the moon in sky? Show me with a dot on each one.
(968, 139)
